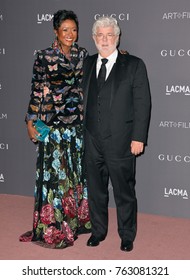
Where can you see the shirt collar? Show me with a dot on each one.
(111, 57)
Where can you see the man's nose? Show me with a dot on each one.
(105, 38)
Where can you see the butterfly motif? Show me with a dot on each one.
(67, 66)
(38, 68)
(71, 110)
(70, 82)
(79, 65)
(60, 109)
(38, 85)
(71, 99)
(68, 119)
(34, 108)
(61, 90)
(54, 75)
(51, 59)
(49, 51)
(53, 67)
(38, 94)
(67, 74)
(57, 98)
(47, 107)
(56, 82)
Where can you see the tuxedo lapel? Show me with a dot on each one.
(119, 67)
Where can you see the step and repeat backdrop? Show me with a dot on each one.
(156, 31)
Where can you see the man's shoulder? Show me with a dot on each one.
(127, 56)
(129, 59)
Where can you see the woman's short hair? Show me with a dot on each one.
(63, 15)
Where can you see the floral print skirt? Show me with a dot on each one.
(61, 206)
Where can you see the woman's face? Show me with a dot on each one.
(67, 33)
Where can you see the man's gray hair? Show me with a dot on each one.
(106, 22)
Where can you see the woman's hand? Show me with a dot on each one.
(32, 132)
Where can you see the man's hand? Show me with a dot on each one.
(137, 147)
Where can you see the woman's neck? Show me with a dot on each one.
(65, 50)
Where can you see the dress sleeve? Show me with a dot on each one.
(37, 86)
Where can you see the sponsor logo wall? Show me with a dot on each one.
(159, 35)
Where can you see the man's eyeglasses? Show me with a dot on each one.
(107, 36)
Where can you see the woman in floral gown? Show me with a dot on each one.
(61, 205)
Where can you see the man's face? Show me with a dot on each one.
(105, 40)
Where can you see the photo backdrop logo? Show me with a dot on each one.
(1, 17)
(3, 116)
(177, 192)
(174, 158)
(175, 53)
(2, 180)
(44, 18)
(4, 146)
(2, 51)
(174, 124)
(178, 89)
(176, 16)
(117, 16)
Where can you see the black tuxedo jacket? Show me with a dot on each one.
(130, 100)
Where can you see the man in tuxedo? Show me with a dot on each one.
(116, 119)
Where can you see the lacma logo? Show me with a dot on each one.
(44, 18)
(2, 180)
(175, 192)
(178, 89)
(3, 116)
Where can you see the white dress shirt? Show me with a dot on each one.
(111, 60)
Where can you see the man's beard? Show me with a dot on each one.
(106, 50)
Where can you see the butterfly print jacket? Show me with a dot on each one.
(64, 100)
